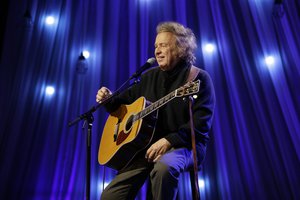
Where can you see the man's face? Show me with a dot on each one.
(166, 51)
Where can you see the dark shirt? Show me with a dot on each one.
(173, 118)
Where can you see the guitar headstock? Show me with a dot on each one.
(188, 89)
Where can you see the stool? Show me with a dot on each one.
(195, 190)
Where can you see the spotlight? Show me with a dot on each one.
(49, 90)
(270, 60)
(50, 20)
(209, 48)
(86, 54)
(201, 183)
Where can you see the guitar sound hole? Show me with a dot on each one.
(129, 123)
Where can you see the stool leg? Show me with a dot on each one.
(195, 190)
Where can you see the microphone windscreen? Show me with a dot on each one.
(151, 61)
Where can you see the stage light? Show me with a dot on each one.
(50, 20)
(209, 48)
(201, 183)
(50, 90)
(270, 61)
(82, 65)
(86, 54)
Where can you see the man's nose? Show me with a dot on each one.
(157, 51)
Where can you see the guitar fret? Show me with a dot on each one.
(161, 101)
(136, 117)
(154, 106)
(164, 100)
(142, 113)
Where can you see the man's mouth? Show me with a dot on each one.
(160, 58)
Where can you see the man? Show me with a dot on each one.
(170, 152)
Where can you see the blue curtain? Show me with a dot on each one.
(254, 151)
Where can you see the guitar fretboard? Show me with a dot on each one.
(154, 106)
(191, 88)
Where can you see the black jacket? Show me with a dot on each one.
(173, 118)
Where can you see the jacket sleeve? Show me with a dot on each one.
(203, 109)
(126, 97)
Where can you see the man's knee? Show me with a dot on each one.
(109, 194)
(163, 171)
(106, 195)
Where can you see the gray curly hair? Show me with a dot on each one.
(185, 39)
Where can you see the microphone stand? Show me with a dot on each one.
(89, 118)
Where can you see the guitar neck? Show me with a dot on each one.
(187, 89)
(156, 105)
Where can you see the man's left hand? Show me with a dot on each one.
(157, 149)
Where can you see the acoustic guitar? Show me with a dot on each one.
(130, 128)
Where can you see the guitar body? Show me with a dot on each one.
(123, 137)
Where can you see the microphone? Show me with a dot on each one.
(146, 66)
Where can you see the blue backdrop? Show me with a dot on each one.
(254, 151)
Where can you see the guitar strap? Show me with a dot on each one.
(194, 71)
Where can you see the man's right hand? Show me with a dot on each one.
(102, 93)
